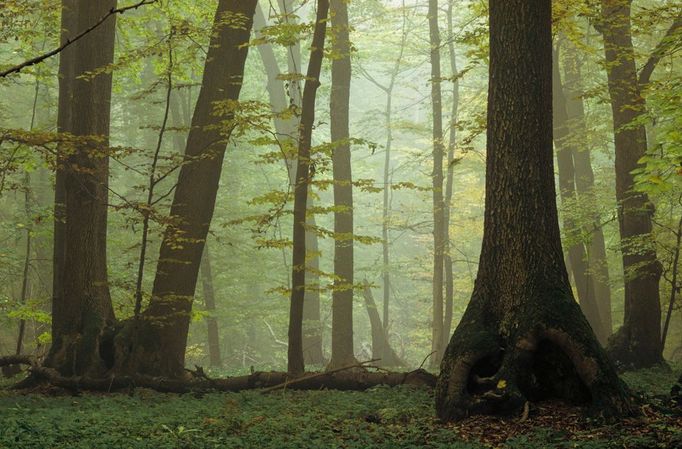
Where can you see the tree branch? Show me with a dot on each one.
(38, 59)
(669, 41)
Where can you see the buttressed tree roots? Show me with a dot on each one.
(523, 336)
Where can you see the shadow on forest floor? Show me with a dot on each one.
(382, 417)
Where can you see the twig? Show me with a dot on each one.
(425, 359)
(41, 58)
(315, 376)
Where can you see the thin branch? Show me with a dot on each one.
(38, 59)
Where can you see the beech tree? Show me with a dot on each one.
(154, 343)
(342, 294)
(82, 307)
(296, 363)
(523, 336)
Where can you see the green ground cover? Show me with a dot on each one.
(380, 418)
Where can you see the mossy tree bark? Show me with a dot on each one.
(82, 306)
(637, 344)
(523, 336)
(342, 294)
(155, 343)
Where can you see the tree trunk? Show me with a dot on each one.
(155, 343)
(577, 256)
(637, 344)
(523, 336)
(381, 348)
(82, 308)
(449, 184)
(584, 181)
(342, 293)
(437, 178)
(209, 302)
(287, 135)
(296, 363)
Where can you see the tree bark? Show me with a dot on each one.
(637, 344)
(584, 181)
(82, 307)
(213, 334)
(296, 363)
(155, 343)
(577, 255)
(449, 184)
(381, 348)
(342, 293)
(282, 99)
(437, 178)
(523, 336)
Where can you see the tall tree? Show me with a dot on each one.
(523, 336)
(155, 343)
(342, 294)
(449, 183)
(82, 306)
(296, 363)
(437, 178)
(637, 343)
(285, 101)
(584, 182)
(577, 254)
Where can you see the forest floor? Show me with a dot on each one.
(401, 417)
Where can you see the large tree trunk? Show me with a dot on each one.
(155, 343)
(637, 344)
(296, 363)
(82, 306)
(209, 302)
(523, 336)
(437, 178)
(342, 293)
(584, 182)
(577, 255)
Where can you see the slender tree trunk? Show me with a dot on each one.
(83, 307)
(281, 99)
(155, 343)
(673, 282)
(296, 364)
(209, 302)
(386, 209)
(584, 181)
(381, 348)
(437, 177)
(523, 336)
(342, 293)
(577, 256)
(637, 344)
(449, 184)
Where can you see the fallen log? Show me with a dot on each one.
(17, 360)
(344, 381)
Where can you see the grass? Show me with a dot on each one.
(379, 418)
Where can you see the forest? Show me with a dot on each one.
(466, 218)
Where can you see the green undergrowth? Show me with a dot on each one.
(382, 417)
